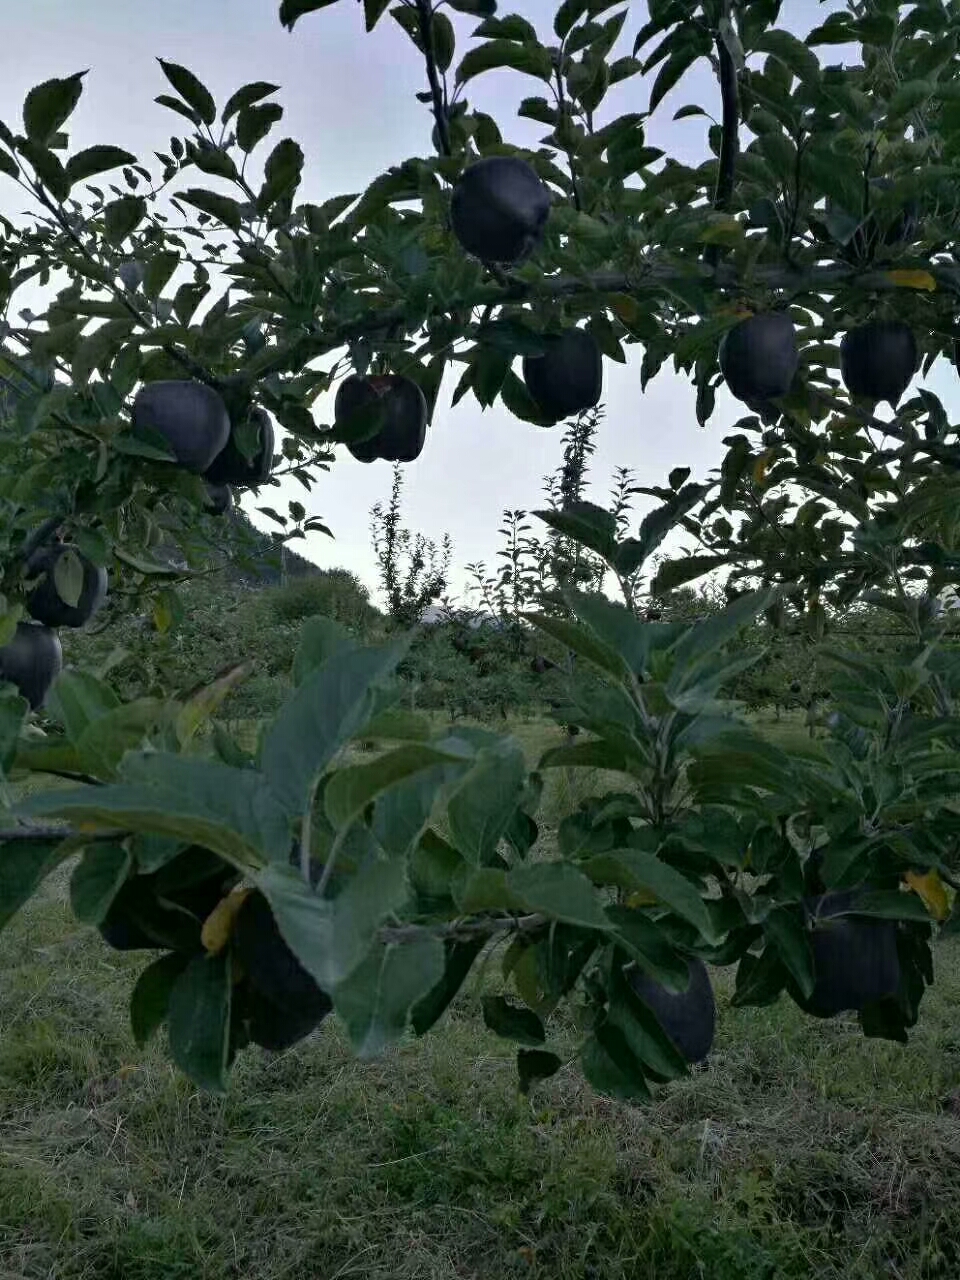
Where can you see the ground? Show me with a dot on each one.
(800, 1150)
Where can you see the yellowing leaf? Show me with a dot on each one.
(761, 465)
(642, 898)
(219, 923)
(932, 890)
(626, 308)
(912, 279)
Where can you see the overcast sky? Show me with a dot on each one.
(349, 101)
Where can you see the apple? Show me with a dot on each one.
(46, 605)
(499, 209)
(878, 360)
(190, 416)
(688, 1017)
(219, 499)
(568, 377)
(32, 661)
(855, 958)
(404, 423)
(230, 466)
(759, 357)
(270, 965)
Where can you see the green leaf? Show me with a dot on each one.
(48, 105)
(376, 1000)
(534, 1065)
(351, 789)
(704, 638)
(675, 573)
(24, 865)
(482, 889)
(53, 176)
(78, 699)
(254, 123)
(760, 979)
(482, 806)
(560, 891)
(97, 879)
(583, 644)
(476, 8)
(8, 164)
(85, 164)
(569, 13)
(320, 638)
(281, 172)
(534, 60)
(327, 709)
(611, 1068)
(458, 959)
(891, 904)
(246, 97)
(123, 215)
(331, 937)
(649, 946)
(198, 1020)
(671, 72)
(224, 208)
(641, 1030)
(633, 869)
(513, 1022)
(373, 11)
(229, 811)
(150, 998)
(587, 524)
(292, 10)
(13, 710)
(444, 40)
(96, 351)
(193, 92)
(793, 53)
(784, 928)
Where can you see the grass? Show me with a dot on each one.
(800, 1150)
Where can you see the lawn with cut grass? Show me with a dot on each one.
(800, 1150)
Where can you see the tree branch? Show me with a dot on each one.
(457, 930)
(425, 19)
(729, 134)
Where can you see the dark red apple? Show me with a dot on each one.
(759, 357)
(190, 416)
(499, 209)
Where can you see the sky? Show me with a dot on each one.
(348, 99)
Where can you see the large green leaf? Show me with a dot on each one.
(587, 524)
(532, 59)
(633, 869)
(512, 1021)
(78, 699)
(611, 1068)
(48, 105)
(193, 92)
(331, 937)
(583, 643)
(376, 1000)
(784, 928)
(150, 998)
(327, 709)
(558, 890)
(93, 160)
(103, 743)
(649, 946)
(350, 790)
(228, 810)
(641, 1031)
(483, 804)
(320, 639)
(458, 959)
(705, 638)
(198, 1020)
(97, 879)
(24, 865)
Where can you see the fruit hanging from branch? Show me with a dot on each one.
(190, 416)
(45, 603)
(759, 357)
(219, 499)
(878, 360)
(499, 209)
(233, 466)
(403, 406)
(855, 958)
(285, 1004)
(688, 1017)
(32, 661)
(568, 377)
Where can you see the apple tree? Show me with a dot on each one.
(809, 263)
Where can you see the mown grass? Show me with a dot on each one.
(800, 1150)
